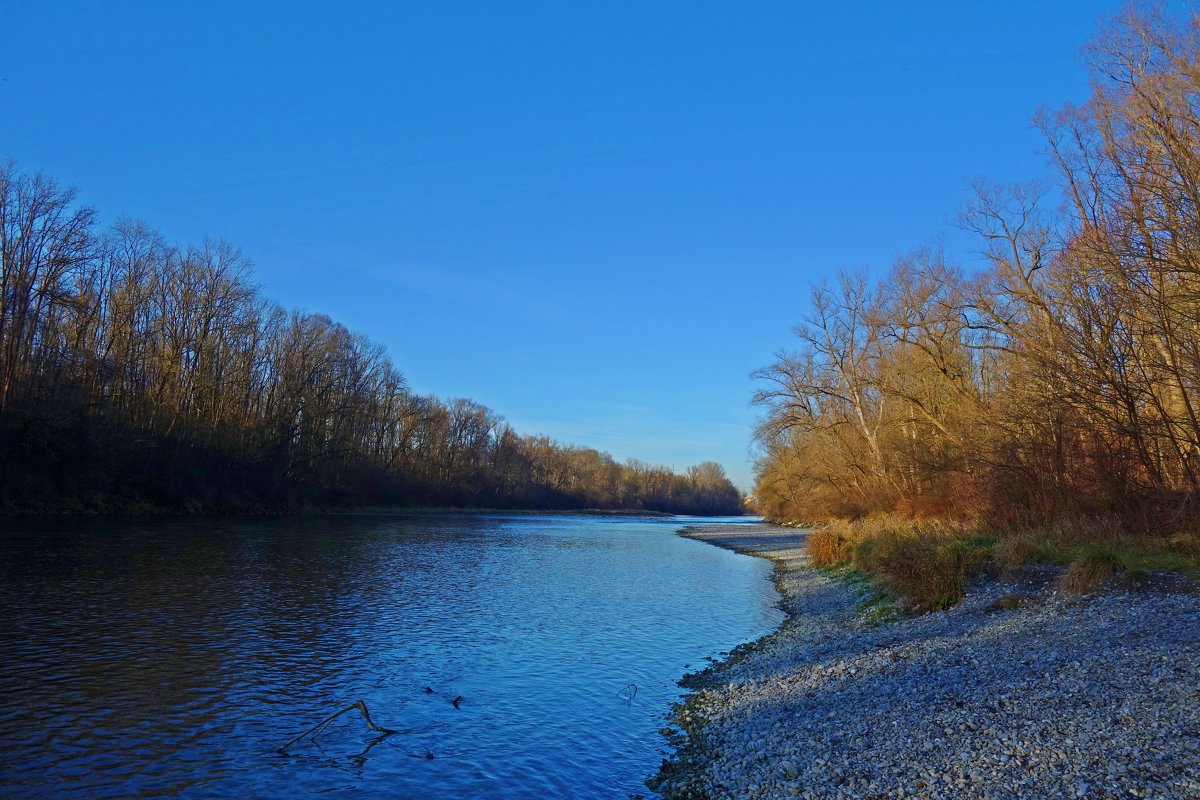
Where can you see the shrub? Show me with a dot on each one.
(1016, 551)
(831, 543)
(1093, 565)
(1082, 529)
(1028, 547)
(928, 571)
(928, 564)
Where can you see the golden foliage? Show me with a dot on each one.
(831, 543)
(1062, 379)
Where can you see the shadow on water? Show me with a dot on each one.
(174, 657)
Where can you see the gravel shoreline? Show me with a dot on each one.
(1065, 696)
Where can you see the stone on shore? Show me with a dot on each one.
(1064, 696)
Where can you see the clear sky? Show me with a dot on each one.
(595, 218)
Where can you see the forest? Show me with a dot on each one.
(138, 375)
(1059, 377)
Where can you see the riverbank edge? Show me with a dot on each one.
(162, 512)
(1055, 694)
(681, 775)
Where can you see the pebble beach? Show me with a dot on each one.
(1061, 696)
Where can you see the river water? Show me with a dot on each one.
(173, 658)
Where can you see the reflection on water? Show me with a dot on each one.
(174, 658)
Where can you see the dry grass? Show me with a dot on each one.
(1014, 550)
(1068, 531)
(929, 565)
(928, 571)
(1094, 565)
(832, 543)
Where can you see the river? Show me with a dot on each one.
(147, 658)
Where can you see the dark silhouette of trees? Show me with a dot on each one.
(137, 374)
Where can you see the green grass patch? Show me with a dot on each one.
(927, 566)
(845, 571)
(1158, 556)
(1093, 564)
(875, 604)
(878, 607)
(928, 572)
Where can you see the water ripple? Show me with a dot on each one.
(173, 658)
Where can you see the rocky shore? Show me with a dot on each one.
(1020, 691)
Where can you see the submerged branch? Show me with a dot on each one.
(316, 730)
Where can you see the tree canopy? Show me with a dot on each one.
(1063, 376)
(139, 373)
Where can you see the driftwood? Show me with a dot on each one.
(316, 730)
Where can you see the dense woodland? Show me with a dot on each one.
(135, 374)
(1060, 377)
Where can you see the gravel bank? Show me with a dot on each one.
(1064, 696)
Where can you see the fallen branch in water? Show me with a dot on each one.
(315, 730)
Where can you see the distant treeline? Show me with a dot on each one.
(1062, 378)
(136, 374)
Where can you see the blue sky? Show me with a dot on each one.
(595, 218)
